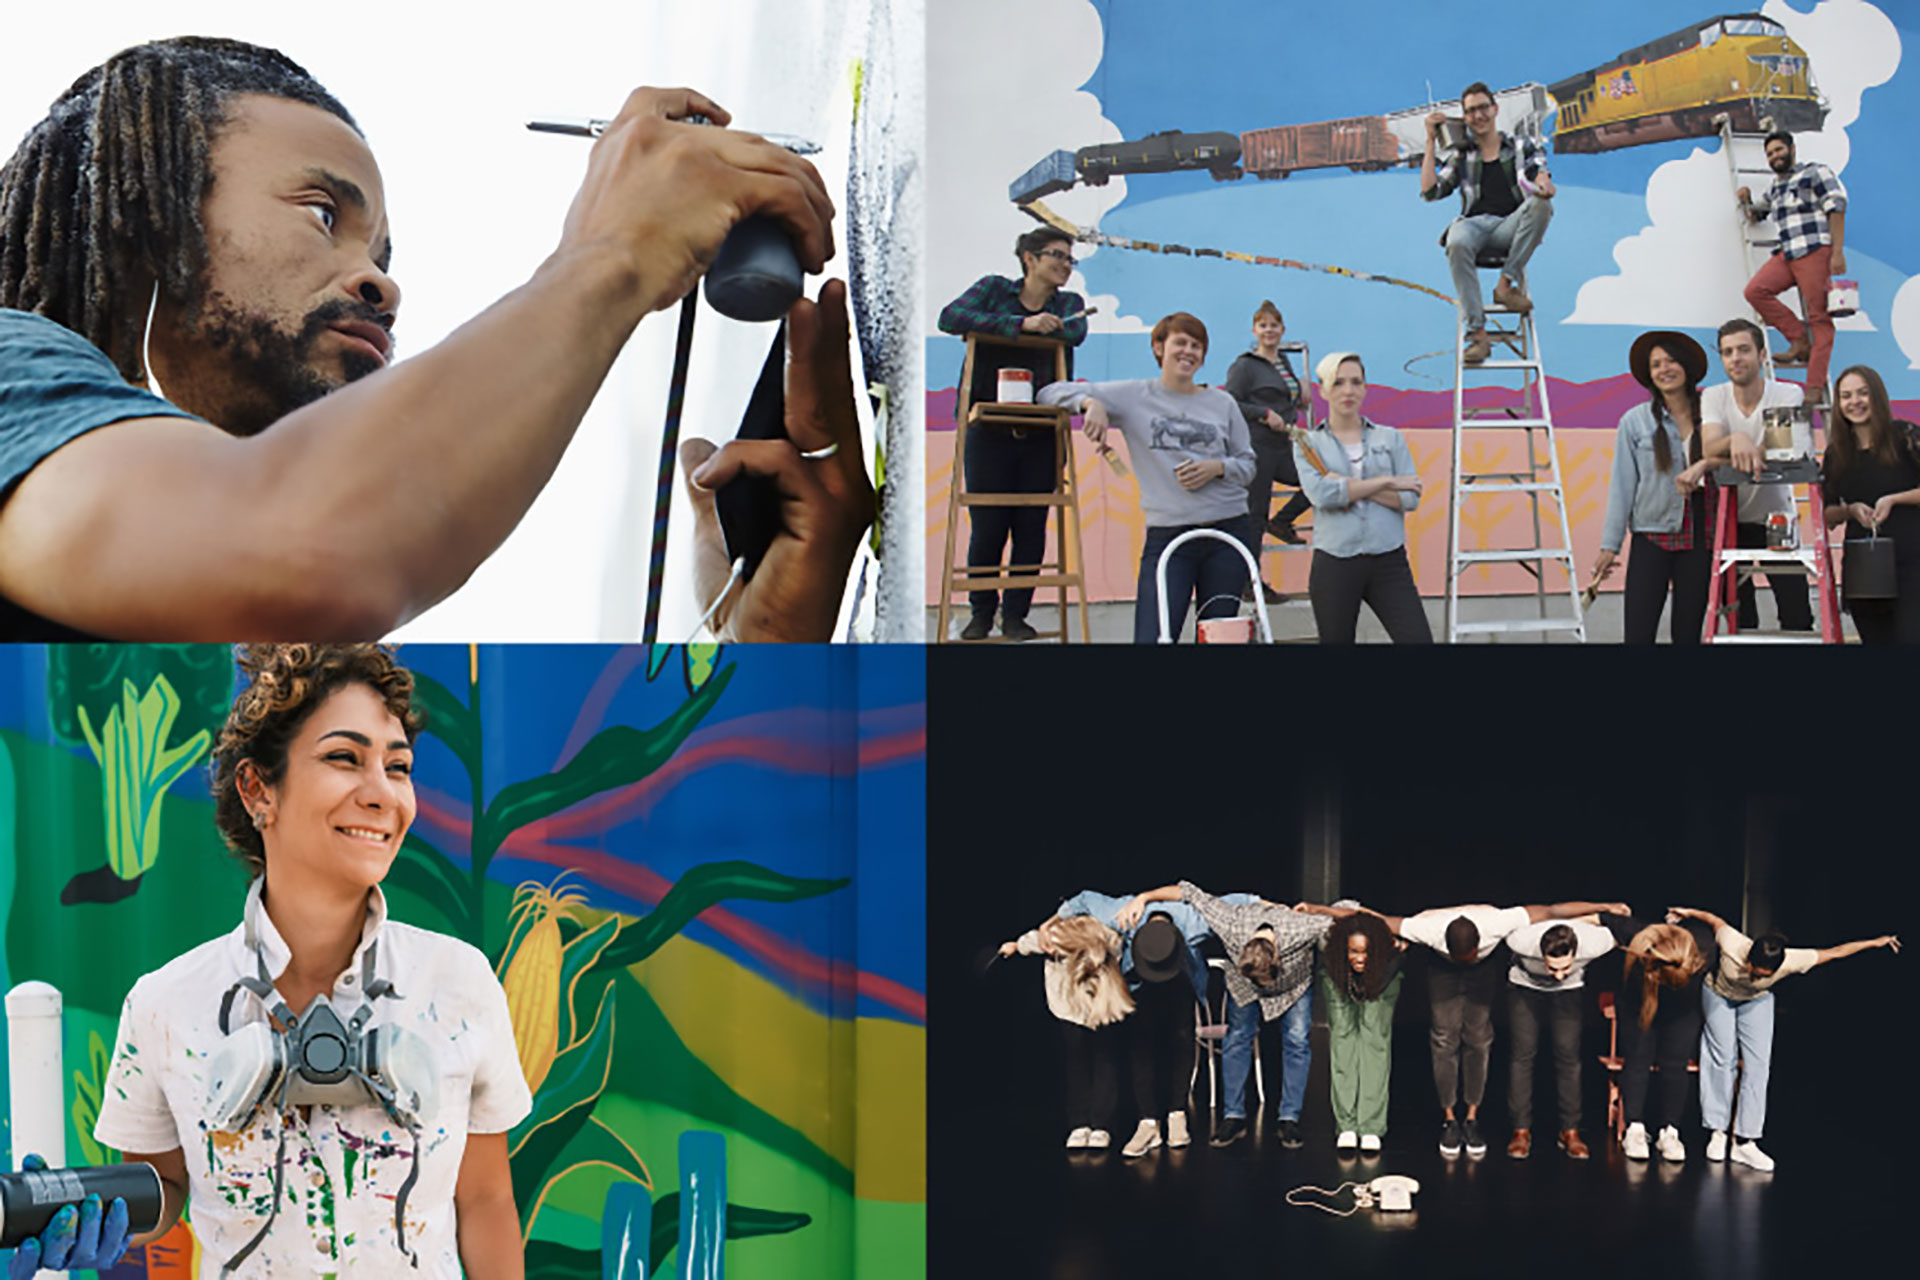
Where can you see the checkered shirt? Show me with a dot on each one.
(1296, 935)
(1799, 205)
(1460, 169)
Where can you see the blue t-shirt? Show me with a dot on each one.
(54, 387)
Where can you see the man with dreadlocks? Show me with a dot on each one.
(202, 214)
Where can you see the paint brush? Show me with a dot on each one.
(1299, 436)
(584, 127)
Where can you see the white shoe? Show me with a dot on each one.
(1177, 1129)
(1671, 1148)
(1749, 1153)
(1077, 1140)
(1347, 1140)
(1717, 1145)
(1635, 1143)
(1370, 1143)
(1144, 1139)
(1098, 1139)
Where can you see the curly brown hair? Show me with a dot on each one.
(1373, 979)
(286, 683)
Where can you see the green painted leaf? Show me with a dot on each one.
(617, 756)
(449, 719)
(743, 1223)
(548, 1260)
(594, 1142)
(562, 1106)
(701, 887)
(424, 871)
(576, 960)
(86, 1099)
(657, 658)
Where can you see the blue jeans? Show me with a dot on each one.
(1296, 1055)
(1735, 1031)
(1517, 235)
(1205, 567)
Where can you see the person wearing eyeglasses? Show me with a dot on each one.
(1506, 202)
(1017, 460)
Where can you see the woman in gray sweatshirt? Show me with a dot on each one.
(1190, 448)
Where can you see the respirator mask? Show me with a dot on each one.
(317, 1058)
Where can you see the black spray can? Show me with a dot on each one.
(28, 1201)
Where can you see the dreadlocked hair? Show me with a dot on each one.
(103, 196)
(1666, 956)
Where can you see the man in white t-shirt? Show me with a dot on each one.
(1545, 989)
(1460, 990)
(1732, 417)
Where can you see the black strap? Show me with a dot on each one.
(279, 1167)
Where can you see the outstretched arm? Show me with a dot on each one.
(1573, 910)
(1130, 914)
(1676, 914)
(1849, 948)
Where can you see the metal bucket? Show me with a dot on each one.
(1867, 570)
(1452, 134)
(1843, 299)
(1786, 432)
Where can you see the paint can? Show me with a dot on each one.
(28, 1201)
(1226, 631)
(1843, 299)
(1786, 432)
(1016, 386)
(1783, 530)
(1451, 135)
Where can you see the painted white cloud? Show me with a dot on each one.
(1004, 91)
(1906, 320)
(1685, 267)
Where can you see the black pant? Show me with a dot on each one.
(1895, 621)
(1206, 567)
(1651, 569)
(1339, 584)
(1272, 459)
(1162, 1035)
(1461, 997)
(1000, 462)
(1669, 1041)
(1560, 1010)
(1093, 1085)
(1789, 589)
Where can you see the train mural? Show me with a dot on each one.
(1743, 66)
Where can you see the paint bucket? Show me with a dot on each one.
(1786, 432)
(1226, 631)
(1843, 299)
(1783, 530)
(1016, 386)
(1866, 569)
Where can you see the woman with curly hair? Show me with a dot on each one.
(1086, 992)
(1658, 1016)
(401, 1036)
(1359, 984)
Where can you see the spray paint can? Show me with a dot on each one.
(1782, 533)
(38, 1113)
(28, 1201)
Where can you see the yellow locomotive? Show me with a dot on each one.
(1743, 65)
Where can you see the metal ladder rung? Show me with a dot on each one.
(1509, 364)
(1489, 421)
(1502, 626)
(1506, 486)
(1516, 555)
(1748, 637)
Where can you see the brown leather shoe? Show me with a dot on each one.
(1797, 354)
(1478, 348)
(1512, 297)
(1520, 1145)
(1571, 1144)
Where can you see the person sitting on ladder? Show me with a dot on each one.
(1506, 197)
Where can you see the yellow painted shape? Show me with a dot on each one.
(802, 1066)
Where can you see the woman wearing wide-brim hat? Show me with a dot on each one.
(1656, 494)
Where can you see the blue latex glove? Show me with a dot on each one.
(77, 1238)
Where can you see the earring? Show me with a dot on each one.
(262, 820)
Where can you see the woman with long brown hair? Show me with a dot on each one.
(1359, 985)
(1085, 992)
(1872, 471)
(1658, 1015)
(1654, 494)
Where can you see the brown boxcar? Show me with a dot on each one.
(1361, 143)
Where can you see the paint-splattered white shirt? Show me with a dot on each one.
(344, 1165)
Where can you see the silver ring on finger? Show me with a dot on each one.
(821, 454)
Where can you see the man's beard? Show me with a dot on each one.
(275, 371)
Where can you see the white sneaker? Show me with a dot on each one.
(1370, 1143)
(1671, 1148)
(1098, 1139)
(1717, 1145)
(1635, 1143)
(1144, 1139)
(1077, 1140)
(1347, 1140)
(1749, 1153)
(1177, 1129)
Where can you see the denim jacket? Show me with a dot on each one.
(1643, 498)
(1366, 528)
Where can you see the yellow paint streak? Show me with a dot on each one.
(858, 1090)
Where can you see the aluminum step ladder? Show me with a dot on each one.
(1530, 414)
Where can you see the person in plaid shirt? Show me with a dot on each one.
(1506, 202)
(1808, 207)
(1018, 461)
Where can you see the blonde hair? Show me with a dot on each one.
(1667, 957)
(1094, 985)
(1329, 367)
